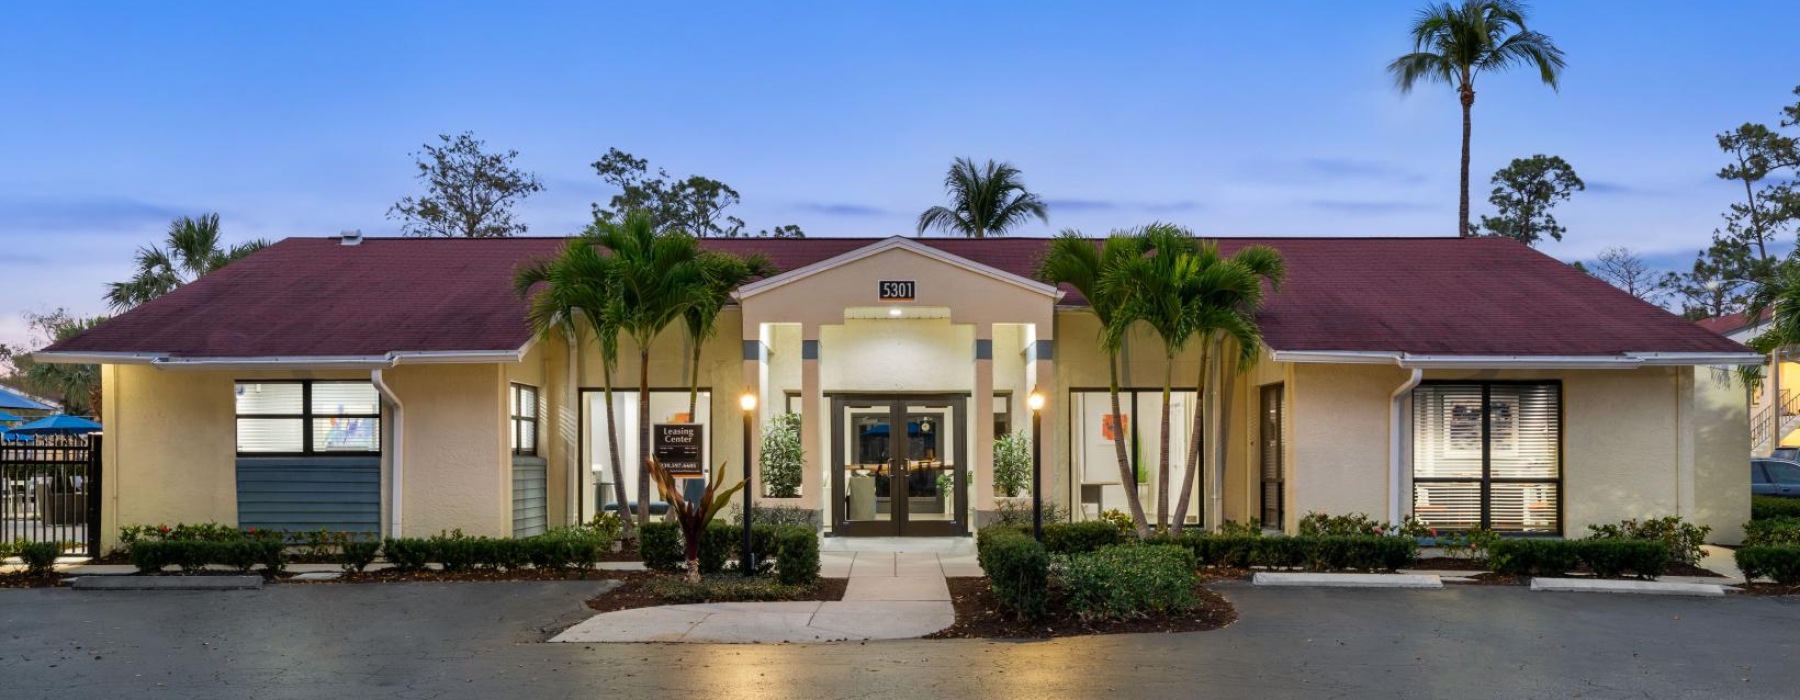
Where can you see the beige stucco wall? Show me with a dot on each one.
(1637, 443)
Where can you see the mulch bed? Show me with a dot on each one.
(633, 595)
(978, 615)
(1768, 589)
(22, 579)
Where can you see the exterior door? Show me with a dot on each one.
(898, 466)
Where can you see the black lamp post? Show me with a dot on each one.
(747, 562)
(1036, 403)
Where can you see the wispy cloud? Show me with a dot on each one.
(85, 213)
(840, 209)
(1359, 169)
(1351, 206)
(1080, 205)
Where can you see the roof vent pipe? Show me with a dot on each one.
(352, 237)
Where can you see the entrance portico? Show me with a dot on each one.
(903, 361)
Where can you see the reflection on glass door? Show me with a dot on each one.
(898, 467)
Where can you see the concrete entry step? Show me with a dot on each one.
(166, 583)
(1274, 578)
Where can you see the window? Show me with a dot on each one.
(666, 406)
(1756, 473)
(1274, 476)
(524, 420)
(1002, 414)
(1783, 472)
(1488, 454)
(308, 417)
(1096, 433)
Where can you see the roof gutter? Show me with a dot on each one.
(1630, 360)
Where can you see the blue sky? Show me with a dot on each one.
(1237, 119)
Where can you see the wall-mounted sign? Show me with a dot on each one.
(678, 446)
(896, 290)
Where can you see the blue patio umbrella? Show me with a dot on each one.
(55, 425)
(12, 401)
(9, 418)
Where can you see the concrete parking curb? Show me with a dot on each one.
(166, 583)
(1272, 578)
(1588, 585)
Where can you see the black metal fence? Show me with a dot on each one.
(50, 492)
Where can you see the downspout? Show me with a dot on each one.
(1396, 422)
(399, 447)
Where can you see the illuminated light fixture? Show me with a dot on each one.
(748, 402)
(1035, 401)
(895, 312)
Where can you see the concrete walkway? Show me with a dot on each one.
(890, 595)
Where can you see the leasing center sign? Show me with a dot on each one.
(678, 446)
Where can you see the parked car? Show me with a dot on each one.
(1775, 477)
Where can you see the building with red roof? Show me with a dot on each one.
(395, 386)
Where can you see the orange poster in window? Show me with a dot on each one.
(1113, 425)
(682, 417)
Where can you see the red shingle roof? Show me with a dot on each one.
(315, 297)
(1730, 323)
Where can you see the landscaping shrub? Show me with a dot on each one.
(1010, 513)
(1533, 557)
(408, 554)
(1352, 553)
(1012, 464)
(1281, 552)
(1120, 519)
(659, 545)
(728, 587)
(454, 550)
(1614, 558)
(1779, 563)
(150, 556)
(1475, 545)
(39, 557)
(1254, 528)
(1683, 539)
(242, 555)
(1771, 507)
(1080, 538)
(796, 555)
(776, 515)
(1359, 524)
(356, 555)
(1772, 531)
(718, 543)
(1018, 569)
(1127, 582)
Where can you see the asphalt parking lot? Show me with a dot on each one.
(484, 640)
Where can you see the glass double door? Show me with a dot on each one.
(898, 466)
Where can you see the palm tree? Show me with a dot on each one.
(721, 273)
(1082, 263)
(1155, 288)
(655, 278)
(985, 200)
(191, 249)
(575, 285)
(1454, 43)
(1221, 296)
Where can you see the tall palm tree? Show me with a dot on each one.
(656, 277)
(1454, 43)
(1082, 263)
(576, 285)
(1155, 289)
(720, 273)
(1222, 295)
(985, 200)
(191, 249)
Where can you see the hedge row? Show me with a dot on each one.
(1605, 558)
(1770, 507)
(1772, 531)
(794, 549)
(1313, 553)
(567, 548)
(1073, 538)
(1128, 581)
(1779, 563)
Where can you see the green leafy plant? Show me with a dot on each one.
(796, 555)
(408, 554)
(1120, 519)
(1779, 563)
(39, 557)
(778, 515)
(357, 554)
(1776, 531)
(1254, 528)
(1009, 513)
(1128, 582)
(1017, 567)
(1475, 545)
(1081, 537)
(1683, 539)
(783, 459)
(659, 546)
(693, 515)
(1012, 464)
